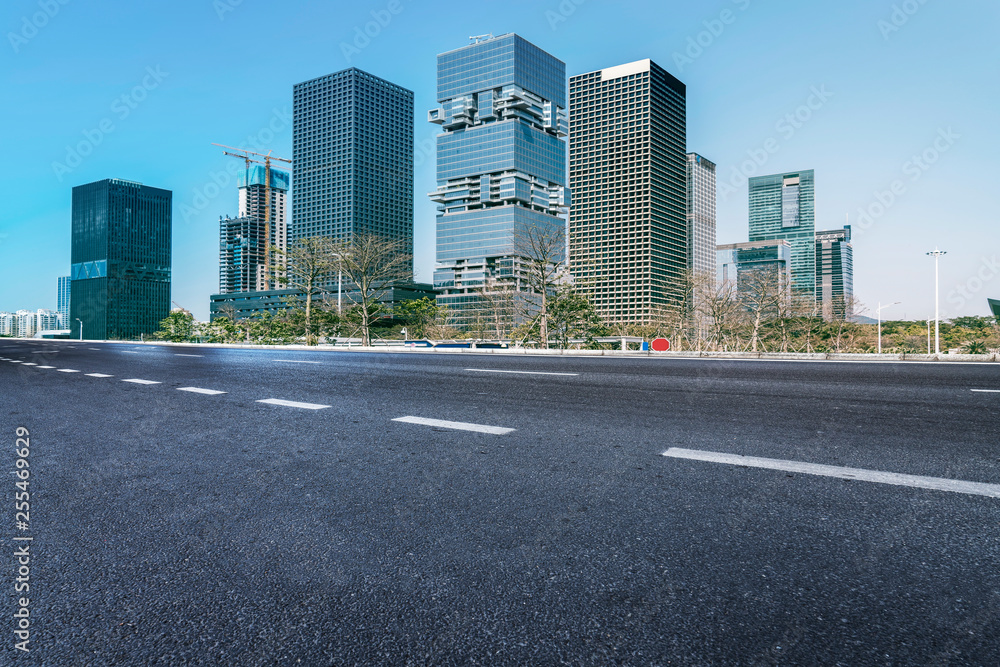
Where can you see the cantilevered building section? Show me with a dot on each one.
(628, 232)
(783, 206)
(501, 170)
(241, 239)
(701, 196)
(352, 147)
(835, 274)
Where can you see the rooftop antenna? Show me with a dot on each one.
(475, 39)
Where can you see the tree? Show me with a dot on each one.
(374, 265)
(177, 327)
(721, 308)
(543, 251)
(420, 315)
(500, 310)
(572, 315)
(308, 265)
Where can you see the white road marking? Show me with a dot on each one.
(294, 404)
(135, 381)
(189, 355)
(459, 426)
(916, 481)
(30, 363)
(493, 370)
(99, 375)
(15, 361)
(129, 351)
(46, 366)
(199, 390)
(988, 391)
(293, 361)
(67, 370)
(94, 348)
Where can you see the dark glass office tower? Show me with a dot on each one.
(352, 147)
(783, 206)
(835, 273)
(628, 227)
(501, 170)
(120, 275)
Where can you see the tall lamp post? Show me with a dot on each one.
(878, 312)
(936, 254)
(81, 327)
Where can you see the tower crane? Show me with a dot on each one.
(249, 156)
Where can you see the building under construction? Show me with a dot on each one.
(243, 255)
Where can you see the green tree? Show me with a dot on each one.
(571, 315)
(177, 327)
(420, 315)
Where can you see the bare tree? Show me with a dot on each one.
(720, 307)
(761, 291)
(307, 266)
(374, 265)
(543, 251)
(500, 306)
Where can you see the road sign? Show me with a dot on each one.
(661, 345)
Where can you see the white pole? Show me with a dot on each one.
(937, 313)
(879, 311)
(340, 282)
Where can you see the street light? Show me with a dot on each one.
(81, 327)
(936, 254)
(879, 313)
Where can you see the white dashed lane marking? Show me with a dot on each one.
(293, 361)
(293, 404)
(189, 355)
(860, 474)
(99, 375)
(30, 363)
(46, 366)
(137, 381)
(458, 426)
(67, 370)
(987, 391)
(492, 370)
(199, 390)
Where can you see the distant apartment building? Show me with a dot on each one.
(62, 301)
(8, 324)
(242, 257)
(121, 254)
(629, 237)
(352, 147)
(783, 206)
(701, 202)
(27, 323)
(738, 263)
(835, 273)
(501, 171)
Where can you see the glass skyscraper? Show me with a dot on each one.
(783, 206)
(835, 273)
(629, 236)
(352, 147)
(120, 274)
(501, 169)
(701, 215)
(63, 301)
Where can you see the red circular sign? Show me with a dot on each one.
(660, 345)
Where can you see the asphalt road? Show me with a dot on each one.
(179, 527)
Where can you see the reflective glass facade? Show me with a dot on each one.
(629, 235)
(352, 147)
(783, 206)
(63, 299)
(701, 198)
(835, 273)
(501, 165)
(120, 276)
(735, 261)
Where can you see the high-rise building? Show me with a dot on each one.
(738, 260)
(242, 258)
(352, 147)
(8, 324)
(835, 273)
(62, 301)
(501, 170)
(628, 227)
(701, 196)
(783, 206)
(120, 277)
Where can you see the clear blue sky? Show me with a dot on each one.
(892, 86)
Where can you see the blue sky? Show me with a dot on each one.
(892, 102)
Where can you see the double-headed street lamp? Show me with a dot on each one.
(936, 254)
(878, 311)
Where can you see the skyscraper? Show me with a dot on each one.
(62, 301)
(352, 147)
(120, 276)
(628, 228)
(737, 261)
(242, 264)
(701, 215)
(783, 206)
(501, 170)
(835, 273)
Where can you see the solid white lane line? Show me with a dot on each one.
(293, 361)
(136, 381)
(199, 390)
(987, 391)
(458, 426)
(493, 370)
(294, 404)
(860, 474)
(189, 355)
(99, 375)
